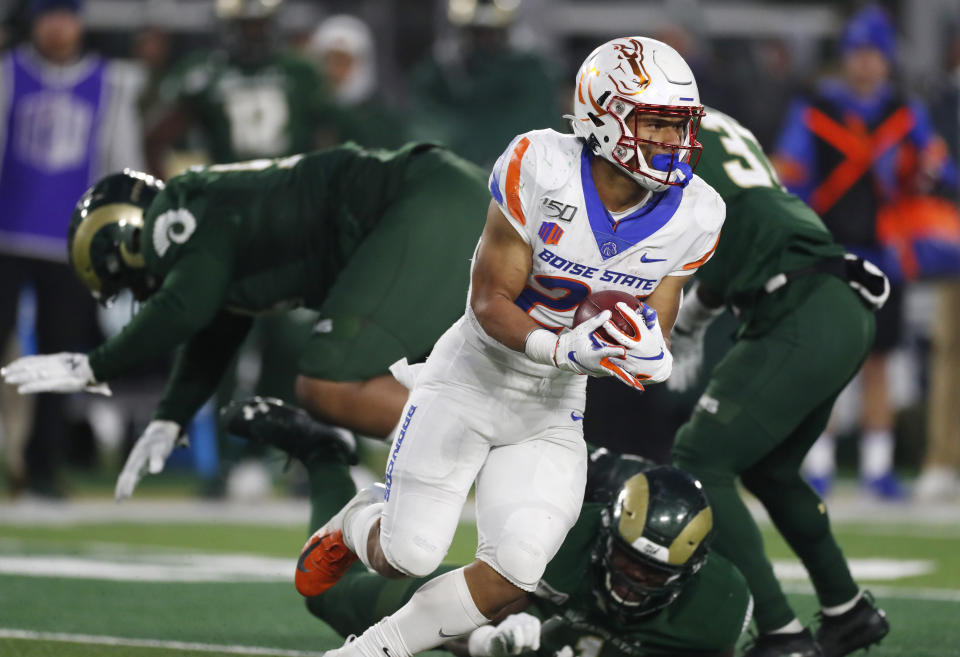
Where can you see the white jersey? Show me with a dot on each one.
(544, 186)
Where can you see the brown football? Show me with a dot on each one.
(607, 300)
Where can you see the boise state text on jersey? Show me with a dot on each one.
(544, 185)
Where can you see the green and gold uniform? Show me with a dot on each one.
(271, 109)
(717, 591)
(771, 231)
(378, 241)
(706, 619)
(771, 395)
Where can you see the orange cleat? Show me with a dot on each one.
(326, 558)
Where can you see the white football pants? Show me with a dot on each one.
(482, 412)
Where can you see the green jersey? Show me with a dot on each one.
(708, 616)
(477, 105)
(269, 110)
(767, 231)
(231, 241)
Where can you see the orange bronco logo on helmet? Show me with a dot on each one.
(635, 78)
(632, 77)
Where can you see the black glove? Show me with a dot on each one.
(870, 283)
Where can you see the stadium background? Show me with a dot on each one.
(173, 573)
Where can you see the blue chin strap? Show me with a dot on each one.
(681, 173)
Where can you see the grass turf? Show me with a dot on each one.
(270, 615)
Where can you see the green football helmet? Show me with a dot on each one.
(655, 536)
(103, 240)
(607, 471)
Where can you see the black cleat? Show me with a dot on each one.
(796, 644)
(290, 429)
(858, 628)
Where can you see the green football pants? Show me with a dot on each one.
(361, 599)
(767, 402)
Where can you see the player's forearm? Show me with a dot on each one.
(191, 295)
(503, 320)
(184, 394)
(501, 268)
(152, 332)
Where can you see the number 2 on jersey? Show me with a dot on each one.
(573, 292)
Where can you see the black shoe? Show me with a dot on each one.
(858, 628)
(269, 421)
(797, 644)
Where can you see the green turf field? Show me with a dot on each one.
(118, 587)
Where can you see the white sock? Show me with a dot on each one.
(379, 640)
(440, 609)
(793, 627)
(876, 453)
(821, 459)
(356, 529)
(844, 608)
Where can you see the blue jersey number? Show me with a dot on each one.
(572, 293)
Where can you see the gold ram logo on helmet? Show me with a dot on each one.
(634, 504)
(124, 215)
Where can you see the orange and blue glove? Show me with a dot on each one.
(647, 357)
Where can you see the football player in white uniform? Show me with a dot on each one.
(614, 206)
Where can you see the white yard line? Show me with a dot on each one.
(146, 567)
(846, 506)
(28, 635)
(135, 565)
(888, 592)
(290, 513)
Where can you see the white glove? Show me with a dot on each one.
(576, 350)
(647, 356)
(63, 372)
(686, 340)
(150, 453)
(518, 633)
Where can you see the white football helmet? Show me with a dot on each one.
(643, 75)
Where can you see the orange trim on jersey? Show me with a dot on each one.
(512, 187)
(697, 263)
